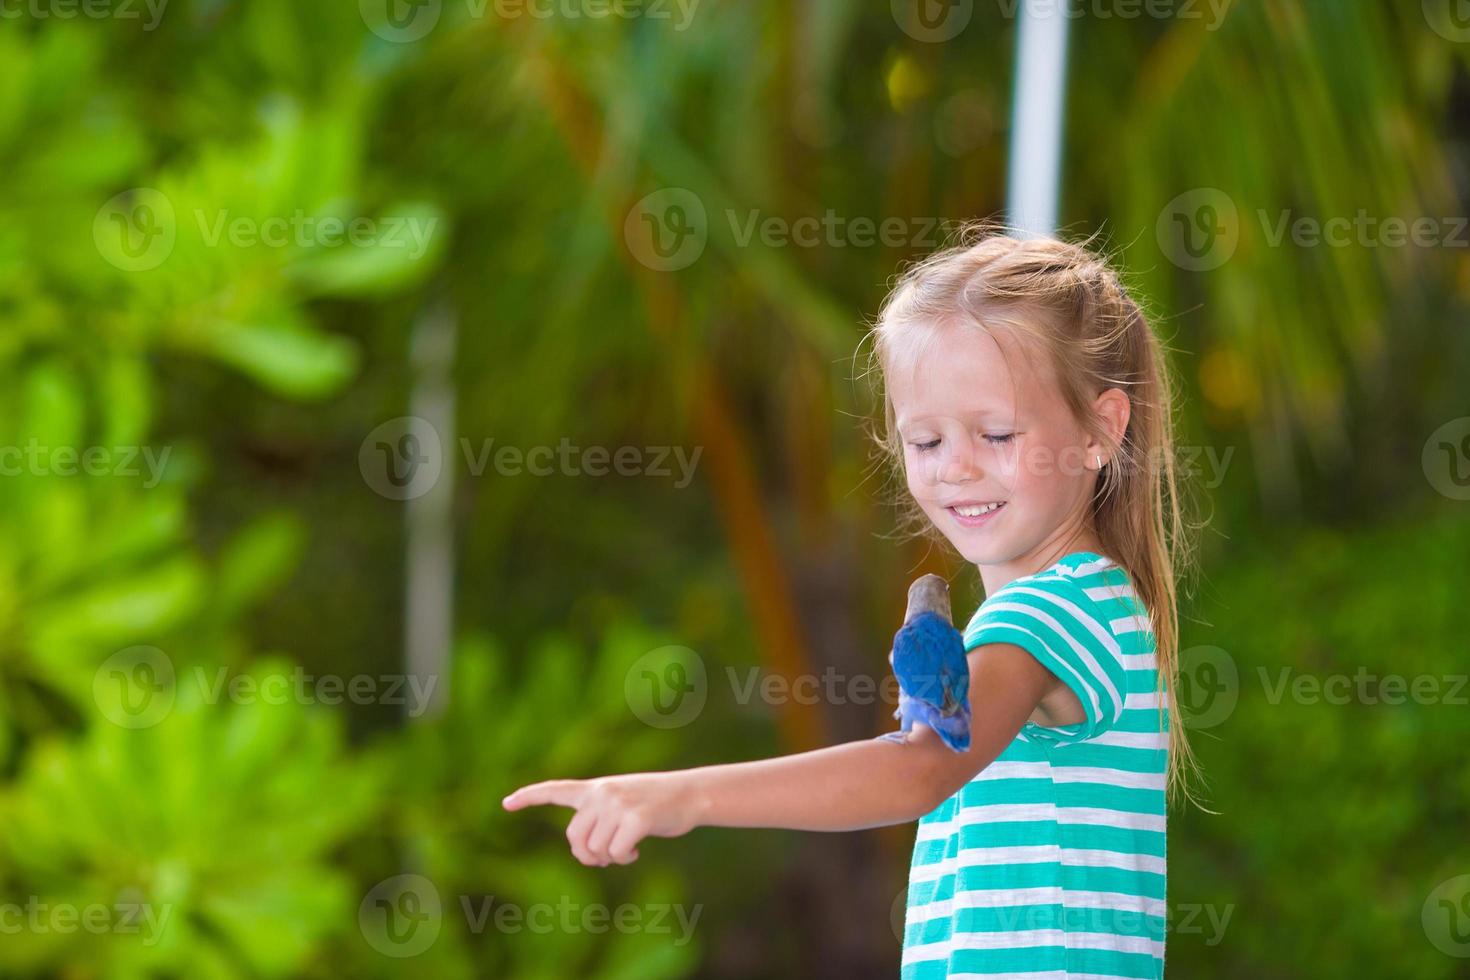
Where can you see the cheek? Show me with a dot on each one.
(1031, 467)
(922, 492)
(918, 474)
(918, 488)
(1049, 465)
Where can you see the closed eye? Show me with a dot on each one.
(1000, 440)
(924, 447)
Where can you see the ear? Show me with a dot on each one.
(1112, 411)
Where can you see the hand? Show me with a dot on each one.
(615, 812)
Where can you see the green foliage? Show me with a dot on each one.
(562, 711)
(1342, 803)
(215, 833)
(1246, 127)
(231, 378)
(95, 561)
(217, 821)
(258, 230)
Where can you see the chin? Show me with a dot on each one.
(984, 549)
(977, 551)
(979, 554)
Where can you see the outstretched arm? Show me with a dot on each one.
(852, 786)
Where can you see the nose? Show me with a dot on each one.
(960, 462)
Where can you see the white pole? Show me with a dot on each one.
(429, 590)
(1036, 122)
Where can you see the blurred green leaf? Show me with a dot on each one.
(257, 560)
(284, 355)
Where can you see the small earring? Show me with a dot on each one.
(1099, 462)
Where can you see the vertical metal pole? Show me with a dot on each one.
(1036, 122)
(429, 536)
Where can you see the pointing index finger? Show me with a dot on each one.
(556, 792)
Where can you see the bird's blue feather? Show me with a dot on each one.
(933, 678)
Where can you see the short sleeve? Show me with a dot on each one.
(1055, 621)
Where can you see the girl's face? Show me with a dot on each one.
(992, 453)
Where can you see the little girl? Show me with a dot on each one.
(1028, 402)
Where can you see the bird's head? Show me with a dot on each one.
(929, 593)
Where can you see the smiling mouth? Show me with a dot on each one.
(971, 515)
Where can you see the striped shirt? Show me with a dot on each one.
(1050, 864)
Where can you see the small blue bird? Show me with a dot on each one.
(928, 659)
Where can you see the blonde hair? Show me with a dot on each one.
(1070, 299)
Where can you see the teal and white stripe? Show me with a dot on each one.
(1050, 864)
